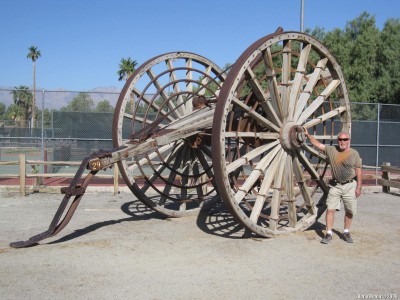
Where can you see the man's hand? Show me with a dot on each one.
(358, 191)
(313, 141)
(305, 132)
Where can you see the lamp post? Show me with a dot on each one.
(302, 16)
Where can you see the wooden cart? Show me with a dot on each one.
(186, 132)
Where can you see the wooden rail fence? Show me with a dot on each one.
(387, 180)
(23, 175)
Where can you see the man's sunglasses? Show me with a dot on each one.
(344, 139)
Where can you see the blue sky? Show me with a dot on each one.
(83, 41)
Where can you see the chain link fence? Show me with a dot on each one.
(63, 134)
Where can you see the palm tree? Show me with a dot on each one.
(22, 98)
(126, 69)
(34, 54)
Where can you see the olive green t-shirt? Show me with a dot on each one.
(343, 163)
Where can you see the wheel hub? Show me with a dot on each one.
(291, 136)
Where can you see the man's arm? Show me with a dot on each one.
(313, 141)
(359, 181)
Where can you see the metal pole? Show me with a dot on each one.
(42, 145)
(302, 16)
(377, 144)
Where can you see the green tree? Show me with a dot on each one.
(388, 63)
(46, 117)
(22, 98)
(364, 36)
(2, 111)
(356, 48)
(318, 33)
(13, 112)
(33, 54)
(82, 102)
(104, 106)
(126, 69)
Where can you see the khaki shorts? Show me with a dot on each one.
(346, 193)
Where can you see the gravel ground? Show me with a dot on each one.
(115, 248)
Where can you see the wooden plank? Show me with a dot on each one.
(251, 134)
(60, 163)
(277, 194)
(272, 82)
(318, 101)
(173, 78)
(116, 177)
(11, 162)
(385, 176)
(259, 118)
(389, 168)
(265, 186)
(22, 174)
(263, 98)
(324, 117)
(305, 95)
(249, 156)
(290, 192)
(298, 79)
(256, 173)
(286, 72)
(389, 183)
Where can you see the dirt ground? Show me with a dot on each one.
(115, 248)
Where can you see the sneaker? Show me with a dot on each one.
(327, 239)
(347, 237)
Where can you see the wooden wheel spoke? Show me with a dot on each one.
(264, 189)
(249, 156)
(298, 171)
(277, 194)
(324, 117)
(251, 134)
(205, 81)
(286, 71)
(272, 82)
(172, 175)
(298, 79)
(164, 96)
(256, 173)
(158, 171)
(290, 191)
(262, 97)
(204, 163)
(311, 170)
(201, 184)
(189, 76)
(257, 117)
(137, 119)
(314, 152)
(312, 81)
(152, 105)
(175, 86)
(155, 154)
(318, 101)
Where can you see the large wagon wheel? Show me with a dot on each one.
(176, 178)
(264, 172)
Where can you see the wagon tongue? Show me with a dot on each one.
(75, 189)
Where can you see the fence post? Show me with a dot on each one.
(386, 175)
(22, 174)
(116, 177)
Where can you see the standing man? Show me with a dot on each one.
(345, 184)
